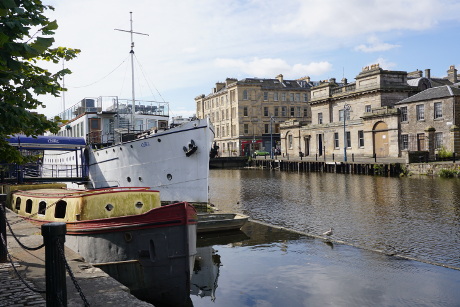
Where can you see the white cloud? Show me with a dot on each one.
(269, 68)
(192, 44)
(384, 63)
(375, 45)
(342, 19)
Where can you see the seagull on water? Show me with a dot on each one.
(329, 232)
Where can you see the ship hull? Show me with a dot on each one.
(175, 162)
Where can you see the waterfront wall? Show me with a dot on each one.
(363, 168)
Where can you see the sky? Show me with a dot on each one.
(192, 44)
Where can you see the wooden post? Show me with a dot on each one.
(56, 289)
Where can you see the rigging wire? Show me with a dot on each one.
(102, 77)
(142, 70)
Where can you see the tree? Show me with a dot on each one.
(22, 81)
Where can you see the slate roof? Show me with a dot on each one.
(433, 93)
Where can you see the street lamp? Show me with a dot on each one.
(346, 109)
(272, 119)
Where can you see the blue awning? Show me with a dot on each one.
(41, 142)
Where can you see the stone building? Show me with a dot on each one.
(358, 114)
(246, 113)
(363, 118)
(429, 121)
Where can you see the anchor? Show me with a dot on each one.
(190, 149)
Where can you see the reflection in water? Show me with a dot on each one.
(275, 267)
(415, 217)
(205, 273)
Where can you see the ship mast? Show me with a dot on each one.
(132, 65)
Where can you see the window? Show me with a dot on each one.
(403, 112)
(336, 140)
(341, 115)
(367, 108)
(290, 141)
(246, 128)
(276, 111)
(437, 110)
(438, 140)
(29, 206)
(267, 128)
(283, 96)
(361, 138)
(245, 95)
(320, 118)
(404, 141)
(226, 114)
(292, 111)
(291, 97)
(305, 112)
(299, 114)
(265, 111)
(217, 130)
(420, 110)
(245, 112)
(305, 97)
(42, 208)
(348, 139)
(265, 96)
(297, 97)
(275, 96)
(283, 111)
(59, 211)
(18, 203)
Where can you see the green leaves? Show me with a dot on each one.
(22, 82)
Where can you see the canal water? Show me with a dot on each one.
(415, 218)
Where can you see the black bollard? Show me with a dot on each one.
(56, 289)
(453, 157)
(4, 247)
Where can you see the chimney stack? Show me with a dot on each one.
(452, 74)
(428, 73)
(280, 78)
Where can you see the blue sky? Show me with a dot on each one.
(194, 44)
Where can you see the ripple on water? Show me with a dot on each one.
(415, 217)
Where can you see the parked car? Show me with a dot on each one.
(261, 153)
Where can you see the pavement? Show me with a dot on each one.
(97, 287)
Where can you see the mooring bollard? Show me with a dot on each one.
(4, 247)
(56, 289)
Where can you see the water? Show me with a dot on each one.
(413, 217)
(270, 267)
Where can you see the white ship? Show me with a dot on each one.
(129, 144)
(174, 161)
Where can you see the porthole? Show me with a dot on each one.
(159, 140)
(128, 179)
(139, 205)
(113, 149)
(121, 148)
(128, 237)
(169, 176)
(106, 152)
(140, 179)
(131, 146)
(18, 203)
(109, 207)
